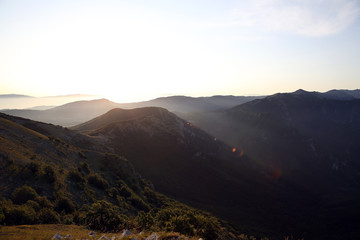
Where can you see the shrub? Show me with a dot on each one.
(77, 178)
(105, 216)
(34, 205)
(23, 194)
(180, 224)
(138, 203)
(113, 192)
(125, 191)
(67, 219)
(144, 220)
(2, 216)
(44, 202)
(19, 214)
(33, 167)
(84, 166)
(48, 216)
(49, 174)
(64, 204)
(97, 181)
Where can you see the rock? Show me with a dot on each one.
(103, 237)
(152, 237)
(126, 233)
(57, 236)
(92, 234)
(68, 236)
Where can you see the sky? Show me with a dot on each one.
(133, 50)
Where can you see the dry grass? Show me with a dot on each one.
(32, 232)
(46, 232)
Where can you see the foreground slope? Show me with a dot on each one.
(50, 175)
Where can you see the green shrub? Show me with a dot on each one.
(180, 224)
(48, 216)
(138, 203)
(144, 220)
(105, 216)
(19, 214)
(23, 194)
(125, 191)
(84, 166)
(113, 192)
(34, 205)
(44, 202)
(64, 204)
(67, 219)
(2, 216)
(97, 181)
(49, 174)
(77, 178)
(33, 167)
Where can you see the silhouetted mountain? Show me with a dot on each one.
(190, 104)
(68, 114)
(304, 138)
(342, 94)
(78, 112)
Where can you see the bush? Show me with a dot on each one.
(34, 205)
(144, 220)
(23, 194)
(125, 191)
(77, 178)
(33, 167)
(97, 181)
(85, 167)
(64, 204)
(67, 219)
(48, 216)
(138, 203)
(49, 174)
(19, 214)
(44, 202)
(2, 216)
(105, 216)
(180, 224)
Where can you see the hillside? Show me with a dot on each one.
(47, 177)
(304, 138)
(185, 162)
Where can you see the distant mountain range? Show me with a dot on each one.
(14, 96)
(78, 112)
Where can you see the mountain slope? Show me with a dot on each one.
(187, 163)
(304, 138)
(47, 179)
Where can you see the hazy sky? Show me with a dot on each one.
(140, 49)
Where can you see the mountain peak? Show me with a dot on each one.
(300, 91)
(118, 115)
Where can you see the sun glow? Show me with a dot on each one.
(110, 54)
